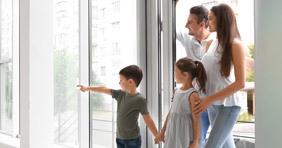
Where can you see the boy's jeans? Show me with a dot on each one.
(131, 143)
(222, 121)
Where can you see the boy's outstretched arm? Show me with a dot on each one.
(150, 123)
(104, 90)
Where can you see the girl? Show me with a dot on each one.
(182, 128)
(225, 66)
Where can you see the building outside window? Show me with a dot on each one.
(102, 13)
(116, 7)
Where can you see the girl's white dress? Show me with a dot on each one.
(179, 131)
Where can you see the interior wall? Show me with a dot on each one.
(268, 72)
(36, 74)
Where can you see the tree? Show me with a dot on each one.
(65, 79)
(97, 98)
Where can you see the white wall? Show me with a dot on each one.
(36, 74)
(268, 72)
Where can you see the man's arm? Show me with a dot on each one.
(150, 123)
(104, 90)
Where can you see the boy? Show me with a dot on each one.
(129, 104)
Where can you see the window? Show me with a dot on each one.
(66, 72)
(102, 13)
(115, 48)
(103, 51)
(95, 12)
(116, 65)
(6, 98)
(103, 34)
(94, 33)
(103, 71)
(115, 27)
(116, 7)
(9, 68)
(95, 51)
(209, 4)
(105, 68)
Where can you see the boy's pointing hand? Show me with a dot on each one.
(82, 88)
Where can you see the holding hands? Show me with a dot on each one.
(159, 138)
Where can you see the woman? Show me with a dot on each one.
(225, 66)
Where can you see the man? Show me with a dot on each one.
(198, 37)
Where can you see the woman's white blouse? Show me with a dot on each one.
(215, 81)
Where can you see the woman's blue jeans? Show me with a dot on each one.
(205, 126)
(222, 121)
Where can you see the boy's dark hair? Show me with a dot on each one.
(201, 12)
(132, 72)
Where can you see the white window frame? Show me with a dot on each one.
(16, 67)
(15, 70)
(84, 76)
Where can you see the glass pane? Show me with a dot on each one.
(6, 98)
(6, 29)
(66, 72)
(113, 47)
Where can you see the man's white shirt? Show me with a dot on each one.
(194, 49)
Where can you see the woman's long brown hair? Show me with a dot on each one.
(227, 31)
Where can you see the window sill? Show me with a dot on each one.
(9, 142)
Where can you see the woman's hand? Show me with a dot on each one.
(201, 106)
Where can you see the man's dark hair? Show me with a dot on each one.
(132, 72)
(201, 12)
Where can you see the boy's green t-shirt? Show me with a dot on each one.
(128, 108)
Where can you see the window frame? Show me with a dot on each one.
(15, 70)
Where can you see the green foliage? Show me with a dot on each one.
(246, 117)
(9, 101)
(251, 50)
(250, 78)
(65, 79)
(97, 98)
(250, 74)
(9, 92)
